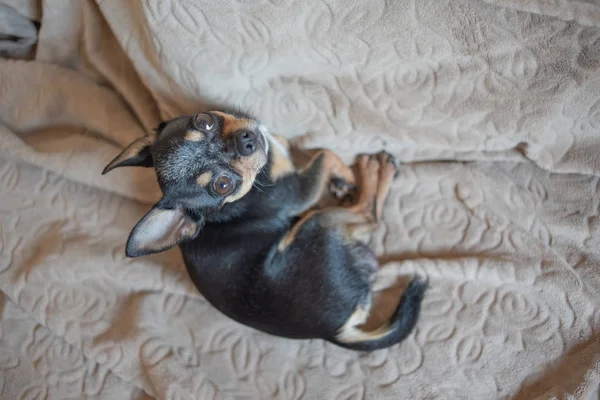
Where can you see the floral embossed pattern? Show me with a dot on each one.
(496, 101)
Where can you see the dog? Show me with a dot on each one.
(252, 241)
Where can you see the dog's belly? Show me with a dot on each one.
(243, 292)
(304, 292)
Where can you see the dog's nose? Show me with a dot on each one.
(246, 142)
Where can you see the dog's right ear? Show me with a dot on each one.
(137, 154)
(160, 229)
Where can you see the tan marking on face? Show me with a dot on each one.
(282, 164)
(194, 136)
(204, 179)
(248, 167)
(232, 124)
(291, 235)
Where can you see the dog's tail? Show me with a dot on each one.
(397, 329)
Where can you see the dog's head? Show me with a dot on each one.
(202, 162)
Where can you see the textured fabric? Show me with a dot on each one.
(492, 105)
(17, 33)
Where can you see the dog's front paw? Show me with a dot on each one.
(341, 188)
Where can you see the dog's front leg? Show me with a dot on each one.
(324, 172)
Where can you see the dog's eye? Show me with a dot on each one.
(223, 185)
(203, 121)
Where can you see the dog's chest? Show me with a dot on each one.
(281, 161)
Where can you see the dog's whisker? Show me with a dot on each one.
(259, 189)
(263, 184)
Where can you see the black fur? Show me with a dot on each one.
(307, 290)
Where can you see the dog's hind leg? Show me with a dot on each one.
(376, 173)
(314, 179)
(388, 169)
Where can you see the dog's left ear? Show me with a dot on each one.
(159, 230)
(137, 154)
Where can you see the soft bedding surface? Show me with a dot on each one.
(492, 106)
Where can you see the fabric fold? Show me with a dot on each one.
(492, 107)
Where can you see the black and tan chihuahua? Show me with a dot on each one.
(253, 243)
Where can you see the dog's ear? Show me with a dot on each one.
(159, 230)
(137, 154)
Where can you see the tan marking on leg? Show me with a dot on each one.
(358, 317)
(332, 165)
(194, 136)
(387, 171)
(291, 235)
(283, 141)
(364, 222)
(204, 178)
(368, 171)
(350, 331)
(354, 335)
(361, 231)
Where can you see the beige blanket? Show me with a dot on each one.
(493, 106)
